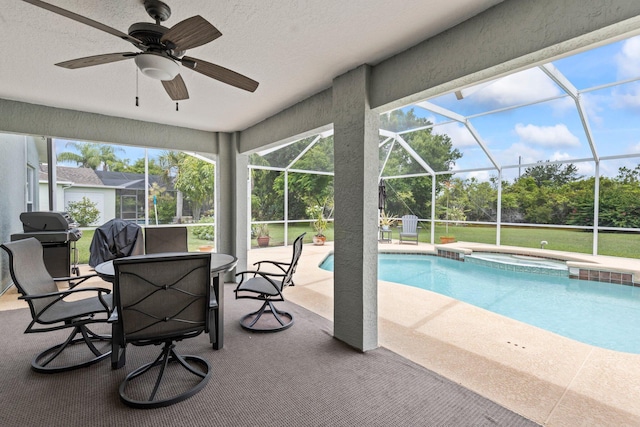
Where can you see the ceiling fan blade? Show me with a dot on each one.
(90, 61)
(220, 73)
(176, 88)
(190, 33)
(86, 21)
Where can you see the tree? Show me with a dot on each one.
(138, 167)
(308, 189)
(84, 212)
(195, 179)
(554, 174)
(414, 194)
(90, 155)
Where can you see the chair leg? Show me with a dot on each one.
(41, 363)
(166, 357)
(250, 321)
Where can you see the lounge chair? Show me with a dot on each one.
(410, 229)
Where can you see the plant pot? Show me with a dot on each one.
(447, 239)
(385, 228)
(263, 241)
(319, 240)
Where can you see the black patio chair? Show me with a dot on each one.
(51, 309)
(162, 299)
(267, 287)
(165, 239)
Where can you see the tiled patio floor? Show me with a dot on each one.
(550, 379)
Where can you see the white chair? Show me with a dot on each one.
(410, 229)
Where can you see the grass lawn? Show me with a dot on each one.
(614, 244)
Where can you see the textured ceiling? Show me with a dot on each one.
(293, 48)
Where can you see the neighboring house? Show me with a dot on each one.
(116, 194)
(130, 192)
(75, 183)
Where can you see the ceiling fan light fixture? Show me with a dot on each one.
(157, 66)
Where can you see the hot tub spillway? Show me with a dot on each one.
(520, 263)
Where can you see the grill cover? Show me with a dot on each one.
(115, 239)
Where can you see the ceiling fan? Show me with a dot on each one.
(162, 49)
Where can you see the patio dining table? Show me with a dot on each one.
(220, 263)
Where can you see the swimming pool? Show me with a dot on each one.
(600, 314)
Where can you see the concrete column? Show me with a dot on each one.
(231, 201)
(356, 225)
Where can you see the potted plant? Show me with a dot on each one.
(386, 221)
(319, 224)
(447, 239)
(262, 235)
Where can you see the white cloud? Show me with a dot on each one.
(586, 168)
(525, 152)
(557, 156)
(459, 134)
(482, 176)
(628, 59)
(593, 105)
(525, 86)
(630, 98)
(547, 136)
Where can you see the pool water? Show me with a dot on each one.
(600, 314)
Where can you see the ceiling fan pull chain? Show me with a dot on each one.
(137, 105)
(176, 106)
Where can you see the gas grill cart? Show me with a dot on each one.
(58, 234)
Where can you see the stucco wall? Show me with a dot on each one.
(16, 153)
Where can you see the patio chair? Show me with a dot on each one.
(165, 239)
(161, 299)
(410, 229)
(267, 287)
(51, 310)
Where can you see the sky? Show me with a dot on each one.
(546, 124)
(552, 129)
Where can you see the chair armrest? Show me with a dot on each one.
(275, 263)
(260, 273)
(63, 294)
(72, 279)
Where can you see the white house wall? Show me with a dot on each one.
(104, 198)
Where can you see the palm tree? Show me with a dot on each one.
(90, 155)
(108, 156)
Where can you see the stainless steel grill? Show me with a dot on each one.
(58, 233)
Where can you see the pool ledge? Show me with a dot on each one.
(615, 270)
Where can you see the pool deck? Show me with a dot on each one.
(547, 378)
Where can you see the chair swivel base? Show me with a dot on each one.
(44, 362)
(277, 321)
(168, 356)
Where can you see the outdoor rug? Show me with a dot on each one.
(298, 377)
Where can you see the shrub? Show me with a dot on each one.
(205, 232)
(84, 212)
